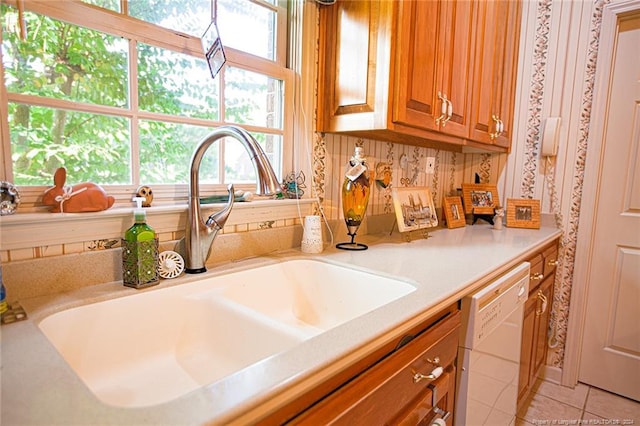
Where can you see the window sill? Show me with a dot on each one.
(28, 230)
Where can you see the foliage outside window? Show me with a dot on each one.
(119, 93)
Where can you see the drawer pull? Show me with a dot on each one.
(552, 262)
(544, 300)
(418, 377)
(537, 276)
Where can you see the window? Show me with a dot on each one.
(119, 93)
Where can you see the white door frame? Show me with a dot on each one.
(593, 168)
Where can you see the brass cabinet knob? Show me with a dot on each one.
(537, 276)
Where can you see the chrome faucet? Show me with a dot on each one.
(196, 245)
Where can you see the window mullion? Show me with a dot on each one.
(6, 165)
(124, 7)
(134, 124)
(223, 114)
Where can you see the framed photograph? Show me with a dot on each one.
(414, 208)
(453, 212)
(480, 198)
(523, 213)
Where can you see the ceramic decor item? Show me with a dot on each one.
(9, 198)
(312, 241)
(355, 197)
(79, 198)
(145, 192)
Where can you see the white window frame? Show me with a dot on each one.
(135, 30)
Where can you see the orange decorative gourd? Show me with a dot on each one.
(83, 197)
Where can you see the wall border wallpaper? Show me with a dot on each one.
(564, 273)
(536, 93)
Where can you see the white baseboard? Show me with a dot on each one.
(551, 374)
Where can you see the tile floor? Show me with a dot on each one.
(552, 404)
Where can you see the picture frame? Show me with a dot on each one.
(453, 212)
(523, 213)
(479, 198)
(414, 208)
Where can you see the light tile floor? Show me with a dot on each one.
(552, 404)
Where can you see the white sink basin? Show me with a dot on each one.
(152, 347)
(313, 296)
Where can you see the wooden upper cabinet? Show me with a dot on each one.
(419, 72)
(354, 65)
(496, 36)
(433, 55)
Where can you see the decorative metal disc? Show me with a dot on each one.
(170, 264)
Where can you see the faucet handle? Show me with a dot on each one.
(219, 218)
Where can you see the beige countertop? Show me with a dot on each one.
(39, 388)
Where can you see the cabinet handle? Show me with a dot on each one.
(449, 112)
(499, 126)
(536, 277)
(553, 262)
(444, 107)
(418, 377)
(543, 308)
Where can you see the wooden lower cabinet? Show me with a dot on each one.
(537, 312)
(398, 389)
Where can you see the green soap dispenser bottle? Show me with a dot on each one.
(140, 252)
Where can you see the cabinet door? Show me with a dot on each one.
(354, 65)
(543, 312)
(497, 29)
(526, 350)
(432, 61)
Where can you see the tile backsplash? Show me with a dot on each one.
(406, 162)
(46, 268)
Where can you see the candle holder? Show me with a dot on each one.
(352, 245)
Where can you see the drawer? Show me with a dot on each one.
(390, 389)
(550, 257)
(423, 412)
(536, 274)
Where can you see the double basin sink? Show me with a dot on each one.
(157, 345)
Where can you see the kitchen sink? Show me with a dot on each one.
(157, 345)
(313, 296)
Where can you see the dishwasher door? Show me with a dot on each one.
(489, 351)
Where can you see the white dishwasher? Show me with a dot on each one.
(489, 351)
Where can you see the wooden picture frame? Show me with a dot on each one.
(523, 213)
(480, 198)
(414, 208)
(453, 212)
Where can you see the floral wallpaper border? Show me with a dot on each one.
(564, 273)
(543, 22)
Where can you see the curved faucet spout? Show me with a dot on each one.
(200, 234)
